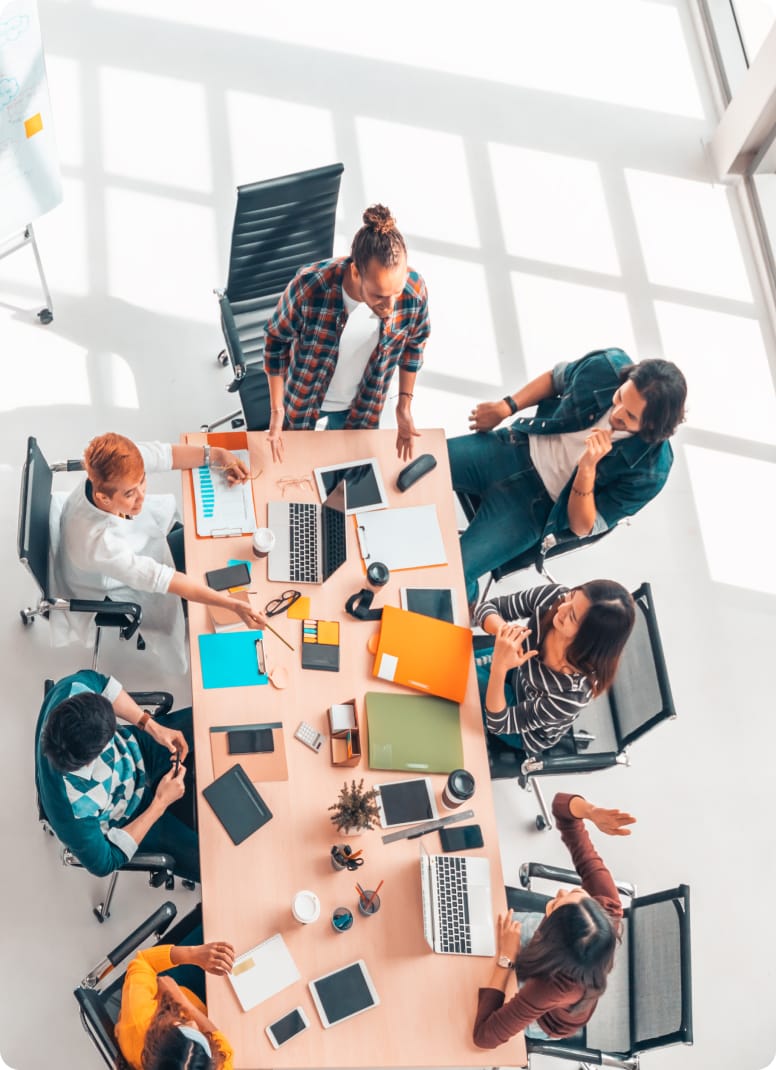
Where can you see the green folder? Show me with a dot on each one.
(416, 733)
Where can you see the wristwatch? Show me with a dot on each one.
(506, 963)
(511, 403)
(206, 456)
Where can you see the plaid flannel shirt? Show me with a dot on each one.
(302, 343)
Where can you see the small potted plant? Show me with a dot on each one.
(355, 809)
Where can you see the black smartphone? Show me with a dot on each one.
(250, 741)
(461, 838)
(221, 579)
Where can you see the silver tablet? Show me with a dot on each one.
(365, 488)
(406, 802)
(343, 993)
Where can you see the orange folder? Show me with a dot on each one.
(424, 653)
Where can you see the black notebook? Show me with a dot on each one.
(237, 804)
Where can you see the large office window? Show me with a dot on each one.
(742, 38)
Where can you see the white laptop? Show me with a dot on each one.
(457, 908)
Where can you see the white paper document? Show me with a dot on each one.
(401, 538)
(261, 972)
(221, 509)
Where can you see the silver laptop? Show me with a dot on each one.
(310, 540)
(457, 908)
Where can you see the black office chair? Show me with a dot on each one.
(158, 865)
(639, 699)
(280, 225)
(100, 1002)
(37, 513)
(648, 999)
(535, 556)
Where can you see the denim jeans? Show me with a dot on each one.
(335, 421)
(514, 505)
(175, 832)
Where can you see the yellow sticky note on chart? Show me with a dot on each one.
(33, 125)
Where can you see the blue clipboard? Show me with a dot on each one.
(228, 659)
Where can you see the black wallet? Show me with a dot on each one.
(237, 804)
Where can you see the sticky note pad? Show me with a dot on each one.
(300, 609)
(328, 632)
(33, 125)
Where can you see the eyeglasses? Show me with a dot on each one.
(281, 604)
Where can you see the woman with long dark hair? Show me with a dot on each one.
(531, 697)
(562, 970)
(163, 1023)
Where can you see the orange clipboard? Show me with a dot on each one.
(423, 653)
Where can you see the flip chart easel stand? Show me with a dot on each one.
(46, 314)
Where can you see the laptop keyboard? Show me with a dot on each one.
(453, 914)
(303, 541)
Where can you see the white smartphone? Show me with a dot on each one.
(296, 1021)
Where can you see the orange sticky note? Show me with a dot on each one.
(328, 632)
(300, 609)
(33, 125)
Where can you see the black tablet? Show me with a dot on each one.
(343, 993)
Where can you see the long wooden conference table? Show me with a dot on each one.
(427, 1001)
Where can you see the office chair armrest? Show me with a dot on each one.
(125, 616)
(160, 700)
(570, 763)
(565, 876)
(150, 861)
(232, 339)
(156, 924)
(143, 861)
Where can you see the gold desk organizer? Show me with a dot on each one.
(344, 734)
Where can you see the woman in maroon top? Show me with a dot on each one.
(562, 972)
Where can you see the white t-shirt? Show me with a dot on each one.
(556, 456)
(357, 342)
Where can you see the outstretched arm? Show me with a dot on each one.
(489, 414)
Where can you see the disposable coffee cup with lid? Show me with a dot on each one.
(306, 907)
(458, 789)
(263, 541)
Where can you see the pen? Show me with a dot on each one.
(280, 637)
(371, 898)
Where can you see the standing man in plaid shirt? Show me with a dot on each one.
(338, 333)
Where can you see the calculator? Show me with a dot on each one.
(306, 734)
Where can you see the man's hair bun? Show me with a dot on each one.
(379, 219)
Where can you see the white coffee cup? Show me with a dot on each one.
(263, 541)
(306, 907)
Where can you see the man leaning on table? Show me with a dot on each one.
(338, 333)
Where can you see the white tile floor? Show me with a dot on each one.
(546, 163)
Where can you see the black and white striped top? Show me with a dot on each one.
(548, 702)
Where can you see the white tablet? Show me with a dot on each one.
(406, 802)
(343, 993)
(365, 488)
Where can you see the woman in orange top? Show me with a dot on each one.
(163, 1026)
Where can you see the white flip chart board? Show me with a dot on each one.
(30, 183)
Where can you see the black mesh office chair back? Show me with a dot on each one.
(280, 225)
(648, 999)
(34, 507)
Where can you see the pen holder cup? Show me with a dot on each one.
(341, 919)
(374, 904)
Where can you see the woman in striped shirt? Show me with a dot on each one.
(531, 697)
